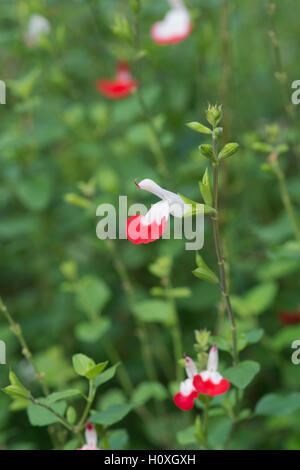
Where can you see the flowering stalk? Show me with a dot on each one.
(16, 329)
(280, 73)
(286, 200)
(176, 330)
(218, 245)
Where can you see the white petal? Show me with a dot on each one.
(157, 212)
(176, 22)
(190, 368)
(38, 25)
(177, 205)
(213, 359)
(186, 387)
(205, 375)
(91, 436)
(215, 377)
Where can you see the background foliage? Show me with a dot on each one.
(64, 149)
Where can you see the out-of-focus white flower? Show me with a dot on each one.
(91, 438)
(175, 27)
(37, 26)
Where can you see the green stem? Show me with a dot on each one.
(219, 252)
(280, 73)
(205, 423)
(286, 199)
(129, 290)
(60, 418)
(91, 396)
(176, 331)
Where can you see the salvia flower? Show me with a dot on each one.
(208, 382)
(175, 27)
(150, 227)
(38, 26)
(91, 438)
(184, 399)
(121, 86)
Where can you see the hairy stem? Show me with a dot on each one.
(219, 253)
(286, 200)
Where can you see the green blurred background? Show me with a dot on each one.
(64, 149)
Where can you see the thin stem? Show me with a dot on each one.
(280, 73)
(205, 423)
(286, 200)
(60, 418)
(129, 290)
(176, 331)
(16, 329)
(91, 396)
(219, 252)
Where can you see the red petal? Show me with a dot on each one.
(116, 90)
(207, 387)
(185, 402)
(170, 40)
(138, 233)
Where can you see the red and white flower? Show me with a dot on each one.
(121, 86)
(175, 27)
(184, 399)
(91, 438)
(38, 26)
(210, 381)
(150, 227)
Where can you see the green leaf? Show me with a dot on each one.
(93, 331)
(205, 189)
(278, 405)
(228, 150)
(73, 444)
(35, 191)
(206, 151)
(186, 436)
(284, 338)
(112, 414)
(196, 126)
(82, 364)
(92, 294)
(39, 416)
(147, 391)
(56, 396)
(203, 271)
(154, 311)
(257, 300)
(95, 371)
(16, 389)
(242, 374)
(107, 375)
(254, 336)
(71, 414)
(118, 439)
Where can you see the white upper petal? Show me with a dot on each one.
(190, 368)
(177, 207)
(176, 22)
(157, 212)
(91, 437)
(186, 387)
(215, 377)
(213, 359)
